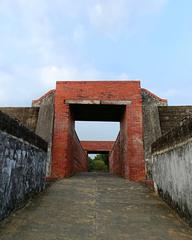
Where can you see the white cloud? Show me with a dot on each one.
(40, 40)
(48, 75)
(108, 14)
(111, 16)
(18, 86)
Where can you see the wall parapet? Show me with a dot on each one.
(172, 168)
(23, 158)
(27, 116)
(174, 137)
(171, 116)
(15, 128)
(155, 97)
(38, 102)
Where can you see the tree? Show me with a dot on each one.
(99, 163)
(90, 164)
(103, 157)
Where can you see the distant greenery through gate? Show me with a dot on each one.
(99, 163)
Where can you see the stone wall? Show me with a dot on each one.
(28, 116)
(22, 164)
(172, 168)
(151, 124)
(171, 116)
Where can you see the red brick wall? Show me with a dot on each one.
(115, 161)
(68, 155)
(123, 145)
(131, 140)
(78, 155)
(134, 164)
(61, 164)
(131, 133)
(99, 90)
(97, 146)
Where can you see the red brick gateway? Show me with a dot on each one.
(119, 101)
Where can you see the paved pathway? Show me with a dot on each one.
(95, 206)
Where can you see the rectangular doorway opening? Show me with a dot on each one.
(97, 140)
(97, 131)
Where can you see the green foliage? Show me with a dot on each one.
(103, 157)
(91, 164)
(99, 163)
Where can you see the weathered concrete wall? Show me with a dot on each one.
(45, 118)
(28, 116)
(172, 168)
(22, 164)
(151, 124)
(45, 122)
(171, 116)
(115, 160)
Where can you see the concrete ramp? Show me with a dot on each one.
(95, 206)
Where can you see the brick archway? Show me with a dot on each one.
(115, 101)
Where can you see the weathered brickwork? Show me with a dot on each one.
(97, 146)
(22, 164)
(172, 168)
(115, 161)
(131, 147)
(79, 156)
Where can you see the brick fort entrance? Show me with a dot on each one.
(117, 101)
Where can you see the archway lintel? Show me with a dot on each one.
(99, 102)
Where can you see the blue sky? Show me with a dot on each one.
(43, 41)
